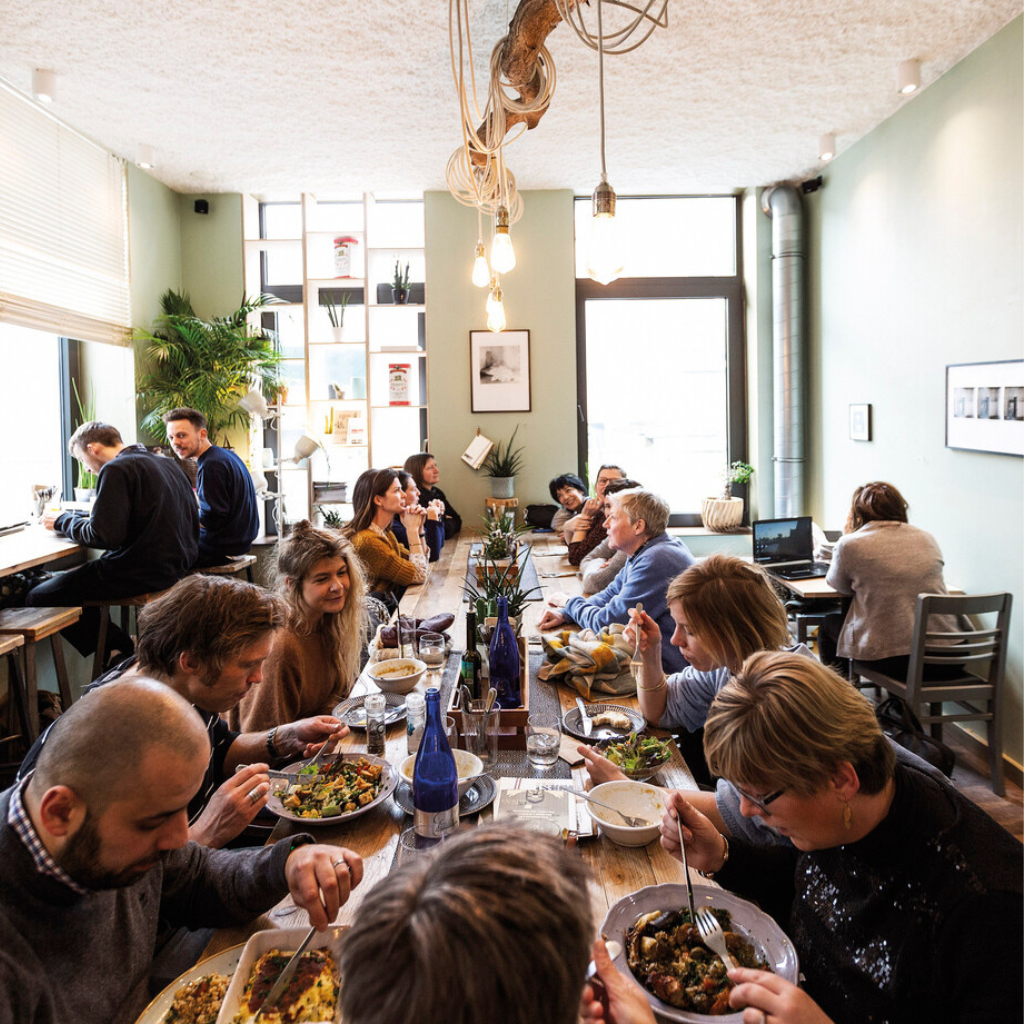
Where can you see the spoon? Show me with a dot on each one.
(492, 696)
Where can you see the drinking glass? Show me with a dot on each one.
(480, 731)
(451, 731)
(413, 847)
(543, 737)
(432, 652)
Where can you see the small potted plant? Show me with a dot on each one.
(400, 284)
(331, 517)
(502, 465)
(500, 548)
(724, 514)
(336, 312)
(499, 583)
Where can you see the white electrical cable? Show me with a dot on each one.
(615, 42)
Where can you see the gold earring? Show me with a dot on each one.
(847, 816)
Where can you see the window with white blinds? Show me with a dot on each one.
(63, 228)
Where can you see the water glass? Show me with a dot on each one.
(543, 738)
(432, 652)
(413, 847)
(451, 731)
(480, 731)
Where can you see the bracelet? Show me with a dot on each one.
(272, 750)
(654, 689)
(725, 859)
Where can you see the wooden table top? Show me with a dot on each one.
(615, 870)
(35, 545)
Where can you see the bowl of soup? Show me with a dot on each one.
(396, 675)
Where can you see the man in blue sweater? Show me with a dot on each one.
(636, 525)
(228, 522)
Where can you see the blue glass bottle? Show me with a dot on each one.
(435, 781)
(504, 661)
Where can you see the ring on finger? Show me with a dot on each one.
(254, 795)
(339, 863)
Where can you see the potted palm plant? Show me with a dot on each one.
(724, 513)
(336, 312)
(207, 364)
(400, 284)
(502, 465)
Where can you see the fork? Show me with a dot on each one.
(629, 819)
(636, 662)
(713, 936)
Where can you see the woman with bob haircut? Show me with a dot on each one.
(882, 563)
(570, 492)
(903, 899)
(315, 658)
(389, 565)
(424, 470)
(724, 609)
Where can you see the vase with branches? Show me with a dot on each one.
(207, 365)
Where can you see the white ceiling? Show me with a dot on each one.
(292, 95)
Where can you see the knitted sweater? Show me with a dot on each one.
(300, 680)
(65, 957)
(600, 567)
(596, 534)
(645, 578)
(387, 564)
(452, 519)
(919, 921)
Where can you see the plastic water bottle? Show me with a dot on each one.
(504, 661)
(435, 781)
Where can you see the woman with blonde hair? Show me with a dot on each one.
(724, 609)
(903, 899)
(315, 658)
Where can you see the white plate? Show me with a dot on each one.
(224, 962)
(390, 780)
(768, 939)
(276, 938)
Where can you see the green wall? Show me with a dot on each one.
(539, 296)
(916, 263)
(211, 253)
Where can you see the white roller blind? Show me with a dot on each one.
(63, 228)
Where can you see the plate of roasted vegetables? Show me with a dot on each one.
(684, 980)
(343, 787)
(639, 757)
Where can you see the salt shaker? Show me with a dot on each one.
(376, 704)
(416, 718)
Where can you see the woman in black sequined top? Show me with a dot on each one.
(903, 898)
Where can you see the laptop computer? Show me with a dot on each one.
(785, 547)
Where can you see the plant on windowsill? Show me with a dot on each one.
(336, 311)
(400, 285)
(85, 489)
(724, 514)
(502, 465)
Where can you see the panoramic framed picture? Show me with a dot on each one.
(499, 371)
(985, 407)
(860, 422)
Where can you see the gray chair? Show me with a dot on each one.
(977, 690)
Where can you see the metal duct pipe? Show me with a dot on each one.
(782, 204)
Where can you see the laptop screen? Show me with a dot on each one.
(783, 540)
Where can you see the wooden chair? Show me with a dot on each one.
(982, 655)
(126, 604)
(34, 625)
(232, 567)
(18, 724)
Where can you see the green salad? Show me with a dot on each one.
(638, 754)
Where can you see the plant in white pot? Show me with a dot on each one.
(502, 465)
(336, 312)
(725, 513)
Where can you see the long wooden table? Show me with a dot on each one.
(35, 545)
(615, 870)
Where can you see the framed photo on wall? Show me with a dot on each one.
(499, 371)
(985, 407)
(860, 422)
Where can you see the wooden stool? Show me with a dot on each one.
(34, 625)
(501, 504)
(17, 699)
(234, 565)
(125, 604)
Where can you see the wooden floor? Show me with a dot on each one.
(971, 778)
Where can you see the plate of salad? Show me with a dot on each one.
(343, 787)
(639, 757)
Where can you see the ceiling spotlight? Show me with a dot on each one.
(908, 76)
(144, 157)
(44, 85)
(827, 146)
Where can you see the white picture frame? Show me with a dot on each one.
(985, 407)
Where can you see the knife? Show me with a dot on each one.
(284, 977)
(585, 720)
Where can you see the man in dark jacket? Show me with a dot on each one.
(228, 521)
(145, 518)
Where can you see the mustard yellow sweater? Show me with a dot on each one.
(387, 562)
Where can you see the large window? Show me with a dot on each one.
(660, 351)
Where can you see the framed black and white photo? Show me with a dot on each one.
(499, 371)
(860, 422)
(985, 407)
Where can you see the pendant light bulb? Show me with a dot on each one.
(604, 260)
(495, 309)
(503, 256)
(481, 272)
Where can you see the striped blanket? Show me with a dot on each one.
(594, 664)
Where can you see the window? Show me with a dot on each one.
(660, 359)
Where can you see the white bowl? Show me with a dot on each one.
(466, 764)
(640, 799)
(379, 672)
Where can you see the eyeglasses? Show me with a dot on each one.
(761, 802)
